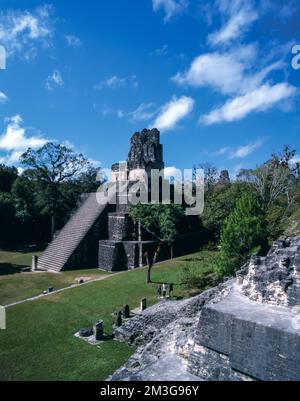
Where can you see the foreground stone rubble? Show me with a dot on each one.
(247, 328)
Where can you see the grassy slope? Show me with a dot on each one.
(39, 343)
(16, 286)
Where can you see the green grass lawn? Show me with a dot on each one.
(39, 343)
(16, 285)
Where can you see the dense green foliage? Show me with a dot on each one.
(52, 166)
(37, 201)
(219, 203)
(158, 219)
(246, 215)
(243, 232)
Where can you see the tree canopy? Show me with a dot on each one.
(160, 220)
(243, 233)
(52, 167)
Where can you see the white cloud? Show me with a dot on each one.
(54, 80)
(167, 116)
(73, 41)
(222, 151)
(113, 82)
(172, 112)
(240, 14)
(144, 112)
(241, 151)
(234, 73)
(228, 73)
(161, 51)
(108, 111)
(3, 97)
(221, 71)
(244, 151)
(170, 7)
(173, 172)
(116, 82)
(22, 31)
(261, 99)
(240, 72)
(2, 58)
(15, 141)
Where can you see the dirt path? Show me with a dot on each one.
(65, 289)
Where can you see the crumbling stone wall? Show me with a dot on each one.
(274, 279)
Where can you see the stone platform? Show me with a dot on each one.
(122, 255)
(238, 339)
(169, 367)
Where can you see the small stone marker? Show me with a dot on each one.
(118, 319)
(98, 330)
(159, 292)
(2, 318)
(126, 311)
(143, 304)
(34, 263)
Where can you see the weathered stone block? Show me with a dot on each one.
(274, 278)
(112, 256)
(260, 340)
(132, 254)
(210, 365)
(119, 226)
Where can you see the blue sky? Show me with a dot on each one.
(215, 77)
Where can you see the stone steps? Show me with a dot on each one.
(69, 238)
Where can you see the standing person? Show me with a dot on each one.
(171, 289)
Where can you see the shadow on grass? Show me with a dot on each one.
(178, 298)
(8, 268)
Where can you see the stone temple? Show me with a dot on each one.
(103, 235)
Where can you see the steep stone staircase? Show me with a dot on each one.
(69, 238)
